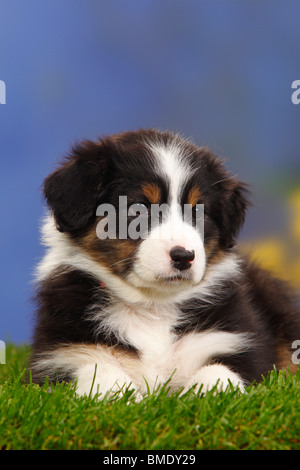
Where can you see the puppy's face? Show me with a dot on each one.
(149, 207)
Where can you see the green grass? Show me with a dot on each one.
(31, 417)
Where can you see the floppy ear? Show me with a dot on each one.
(73, 190)
(234, 203)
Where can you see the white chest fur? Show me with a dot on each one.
(162, 353)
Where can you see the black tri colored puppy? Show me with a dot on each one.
(172, 302)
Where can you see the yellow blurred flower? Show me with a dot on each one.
(280, 256)
(294, 204)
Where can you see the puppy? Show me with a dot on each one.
(133, 297)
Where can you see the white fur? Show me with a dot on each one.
(171, 164)
(161, 357)
(161, 353)
(95, 369)
(214, 375)
(153, 264)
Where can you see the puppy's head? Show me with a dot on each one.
(148, 207)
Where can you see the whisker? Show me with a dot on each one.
(217, 182)
(121, 261)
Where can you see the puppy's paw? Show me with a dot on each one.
(215, 375)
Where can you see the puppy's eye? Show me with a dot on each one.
(196, 209)
(198, 212)
(137, 209)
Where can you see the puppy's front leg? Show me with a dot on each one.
(215, 374)
(102, 379)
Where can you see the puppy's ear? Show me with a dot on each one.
(234, 202)
(73, 190)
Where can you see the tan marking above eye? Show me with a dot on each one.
(194, 196)
(152, 193)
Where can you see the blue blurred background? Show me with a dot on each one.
(219, 73)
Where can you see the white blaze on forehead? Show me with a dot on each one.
(171, 165)
(153, 261)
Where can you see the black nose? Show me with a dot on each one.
(181, 257)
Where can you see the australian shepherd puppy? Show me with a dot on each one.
(128, 301)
